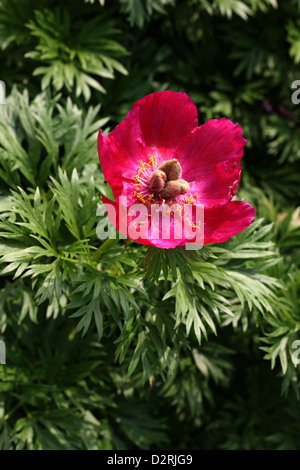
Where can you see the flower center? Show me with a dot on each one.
(158, 183)
(166, 182)
(162, 185)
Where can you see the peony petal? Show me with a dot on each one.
(119, 154)
(216, 141)
(127, 144)
(222, 223)
(217, 187)
(165, 118)
(108, 165)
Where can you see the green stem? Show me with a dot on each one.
(103, 248)
(8, 415)
(72, 260)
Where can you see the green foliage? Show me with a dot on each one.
(73, 53)
(109, 344)
(47, 130)
(294, 39)
(139, 11)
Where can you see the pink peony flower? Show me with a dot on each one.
(157, 160)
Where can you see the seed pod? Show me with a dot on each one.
(157, 181)
(184, 185)
(174, 189)
(171, 168)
